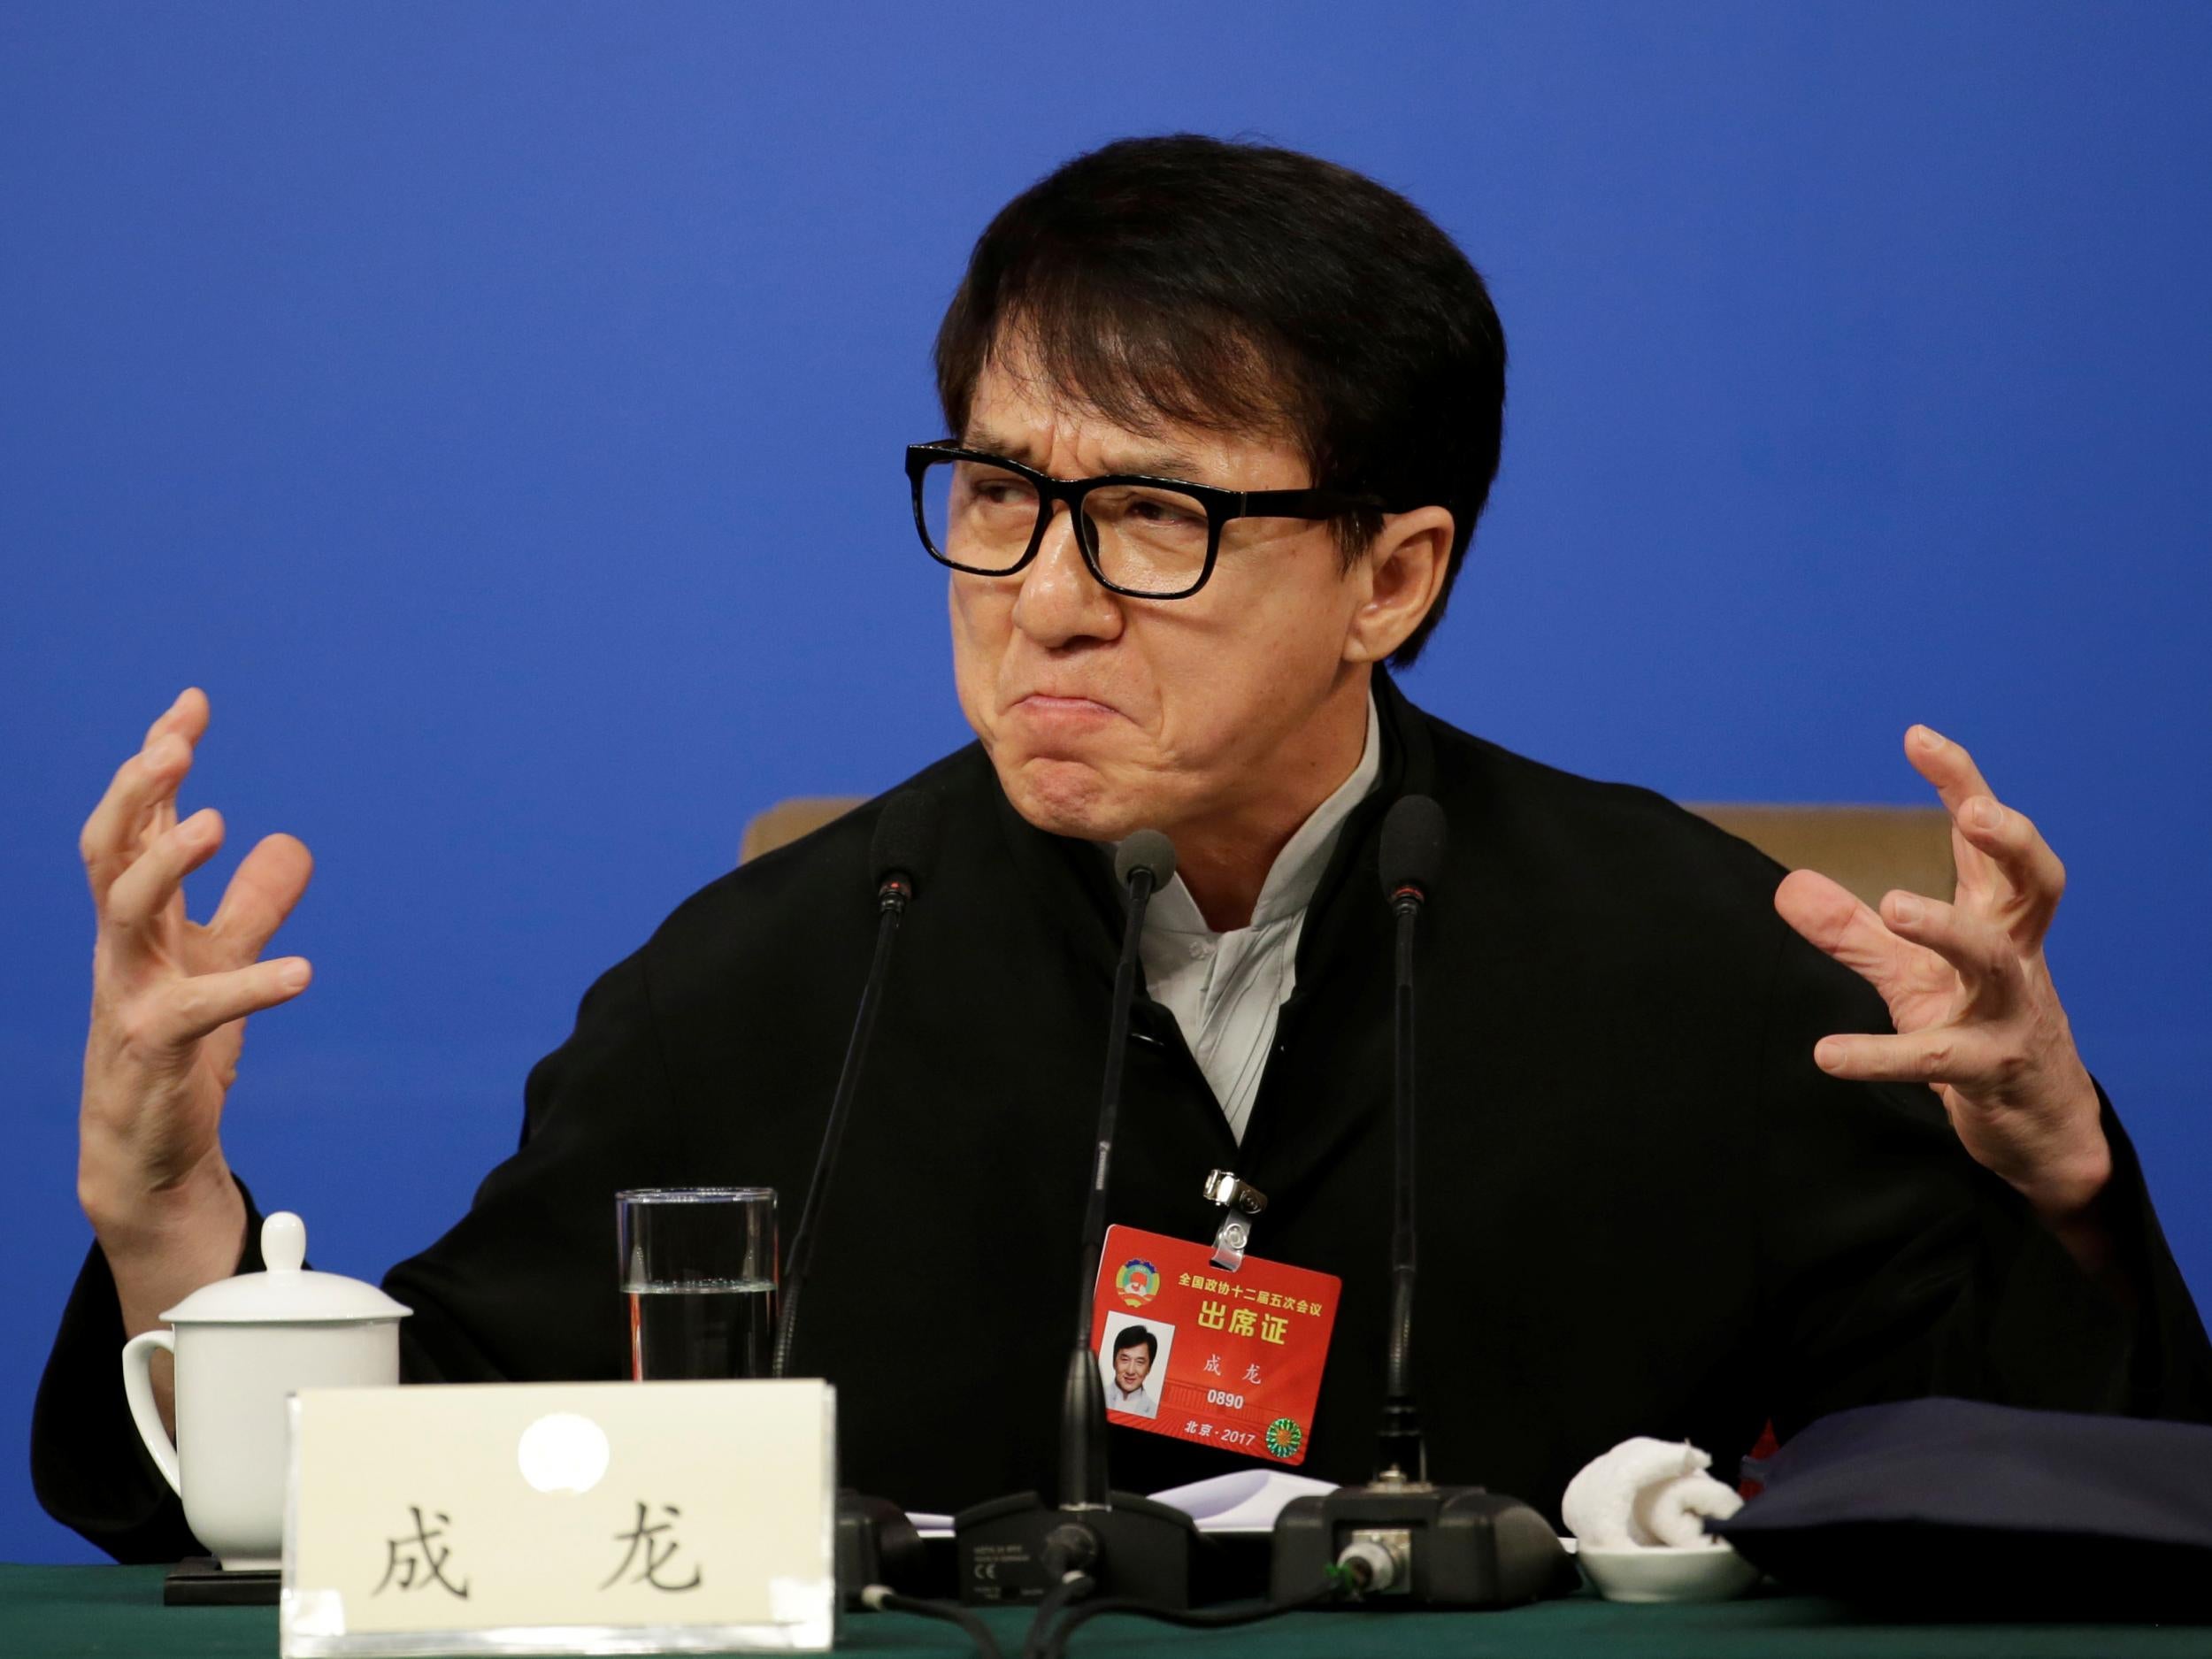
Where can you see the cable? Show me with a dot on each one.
(1056, 1646)
(882, 1599)
(1074, 1586)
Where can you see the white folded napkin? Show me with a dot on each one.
(1647, 1494)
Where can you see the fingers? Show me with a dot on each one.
(113, 836)
(1960, 1055)
(187, 718)
(186, 1009)
(138, 895)
(1984, 953)
(267, 884)
(1947, 765)
(2002, 852)
(140, 801)
(1961, 1044)
(137, 855)
(2034, 877)
(1957, 780)
(1837, 922)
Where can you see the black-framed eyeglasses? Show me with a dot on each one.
(1148, 538)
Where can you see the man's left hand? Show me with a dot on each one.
(1970, 996)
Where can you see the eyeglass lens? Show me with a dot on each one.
(1142, 539)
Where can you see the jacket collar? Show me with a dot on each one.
(1349, 901)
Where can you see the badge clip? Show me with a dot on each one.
(1241, 1200)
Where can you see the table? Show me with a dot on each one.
(116, 1612)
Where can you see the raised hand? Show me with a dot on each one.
(1970, 993)
(170, 997)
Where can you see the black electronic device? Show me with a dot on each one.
(1018, 1548)
(876, 1544)
(1408, 1542)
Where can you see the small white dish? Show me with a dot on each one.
(1700, 1572)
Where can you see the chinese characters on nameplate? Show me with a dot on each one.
(561, 1517)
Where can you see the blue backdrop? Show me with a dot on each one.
(500, 412)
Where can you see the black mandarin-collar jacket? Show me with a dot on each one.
(1644, 1210)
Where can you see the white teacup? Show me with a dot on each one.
(241, 1345)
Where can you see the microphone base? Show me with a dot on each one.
(1007, 1550)
(1451, 1545)
(876, 1544)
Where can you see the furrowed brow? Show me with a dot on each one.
(993, 443)
(1150, 462)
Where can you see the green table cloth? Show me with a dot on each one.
(116, 1612)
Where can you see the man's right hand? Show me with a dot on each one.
(170, 998)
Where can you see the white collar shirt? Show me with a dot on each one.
(1227, 989)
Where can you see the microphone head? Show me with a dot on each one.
(1146, 850)
(905, 842)
(1412, 846)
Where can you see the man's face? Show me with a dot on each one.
(1132, 1365)
(1105, 715)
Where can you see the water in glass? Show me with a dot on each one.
(706, 1329)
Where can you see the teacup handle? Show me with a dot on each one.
(138, 1388)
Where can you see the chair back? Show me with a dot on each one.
(785, 821)
(1869, 849)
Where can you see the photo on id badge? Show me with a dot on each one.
(1131, 1358)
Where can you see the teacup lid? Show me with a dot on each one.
(286, 1293)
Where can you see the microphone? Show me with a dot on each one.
(1150, 854)
(904, 845)
(1398, 1536)
(1412, 851)
(1014, 1548)
(1143, 864)
(1412, 859)
(875, 1541)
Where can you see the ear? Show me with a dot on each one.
(1401, 576)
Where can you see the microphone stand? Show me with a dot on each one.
(1398, 1537)
(892, 897)
(875, 1541)
(1014, 1549)
(1404, 1454)
(1083, 1407)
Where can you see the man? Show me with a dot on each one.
(1685, 1172)
(1135, 1347)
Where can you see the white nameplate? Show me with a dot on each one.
(561, 1517)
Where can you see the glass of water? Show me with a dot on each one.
(699, 1267)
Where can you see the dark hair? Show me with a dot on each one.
(1236, 287)
(1133, 1334)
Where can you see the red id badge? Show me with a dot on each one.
(1197, 1353)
